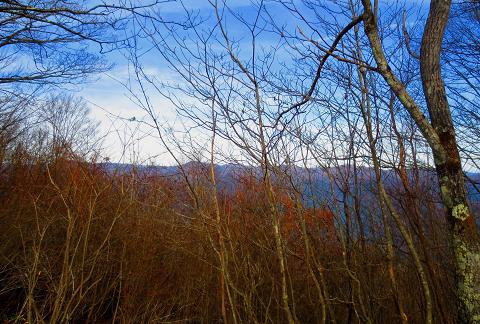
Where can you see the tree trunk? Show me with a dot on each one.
(449, 168)
(440, 134)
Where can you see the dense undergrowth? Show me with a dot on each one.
(83, 244)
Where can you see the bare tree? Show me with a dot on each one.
(440, 134)
(65, 120)
(57, 41)
(264, 103)
(437, 127)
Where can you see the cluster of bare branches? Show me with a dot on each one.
(347, 85)
(347, 130)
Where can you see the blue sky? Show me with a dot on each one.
(112, 103)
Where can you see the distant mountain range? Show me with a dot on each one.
(228, 175)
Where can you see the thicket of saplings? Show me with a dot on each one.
(80, 243)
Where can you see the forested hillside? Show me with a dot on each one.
(320, 161)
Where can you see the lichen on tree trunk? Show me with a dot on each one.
(468, 279)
